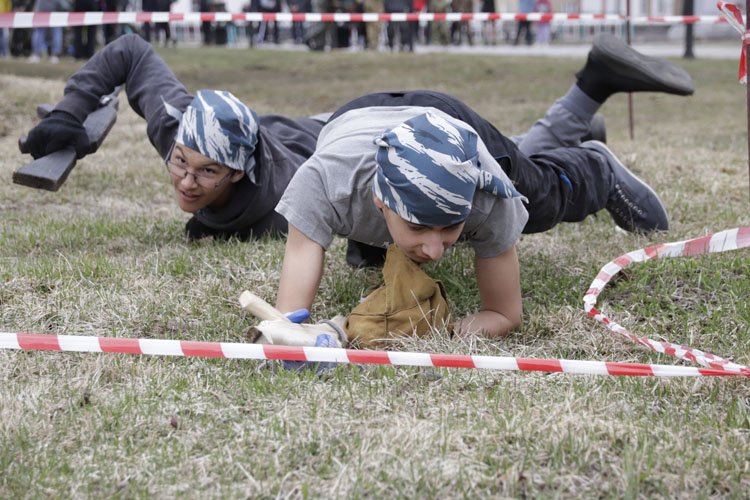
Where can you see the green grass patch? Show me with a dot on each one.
(106, 255)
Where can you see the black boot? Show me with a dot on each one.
(614, 67)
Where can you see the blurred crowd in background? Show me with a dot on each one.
(51, 44)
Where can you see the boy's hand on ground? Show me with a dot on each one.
(467, 327)
(488, 324)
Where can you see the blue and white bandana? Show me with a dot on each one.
(428, 171)
(221, 127)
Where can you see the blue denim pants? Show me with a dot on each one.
(39, 41)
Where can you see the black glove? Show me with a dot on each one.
(57, 131)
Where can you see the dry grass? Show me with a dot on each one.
(106, 256)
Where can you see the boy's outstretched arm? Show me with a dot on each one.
(500, 295)
(300, 273)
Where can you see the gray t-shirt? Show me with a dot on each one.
(331, 193)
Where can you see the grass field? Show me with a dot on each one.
(106, 256)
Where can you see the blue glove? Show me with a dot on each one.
(298, 316)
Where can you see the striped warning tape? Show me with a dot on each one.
(733, 15)
(62, 19)
(731, 239)
(75, 343)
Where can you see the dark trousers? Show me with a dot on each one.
(298, 31)
(111, 32)
(268, 30)
(404, 33)
(84, 41)
(147, 27)
(562, 185)
(523, 26)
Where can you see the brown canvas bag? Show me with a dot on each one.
(409, 302)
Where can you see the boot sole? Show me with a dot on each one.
(654, 74)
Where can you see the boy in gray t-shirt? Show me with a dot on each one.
(412, 176)
(368, 180)
(332, 193)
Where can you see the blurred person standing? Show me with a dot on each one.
(524, 7)
(298, 27)
(84, 37)
(5, 6)
(372, 30)
(461, 28)
(19, 42)
(148, 6)
(269, 6)
(207, 32)
(543, 26)
(318, 36)
(404, 30)
(347, 32)
(251, 27)
(39, 45)
(489, 28)
(439, 29)
(417, 6)
(111, 31)
(359, 28)
(163, 6)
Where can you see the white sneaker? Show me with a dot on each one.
(33, 59)
(54, 60)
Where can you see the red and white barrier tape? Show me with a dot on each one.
(731, 239)
(62, 19)
(733, 15)
(75, 343)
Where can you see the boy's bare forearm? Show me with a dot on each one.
(499, 284)
(300, 273)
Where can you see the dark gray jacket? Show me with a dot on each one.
(283, 143)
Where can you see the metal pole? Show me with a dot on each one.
(688, 9)
(630, 95)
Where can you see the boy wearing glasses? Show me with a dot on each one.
(228, 166)
(226, 132)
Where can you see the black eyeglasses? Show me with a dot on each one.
(210, 180)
